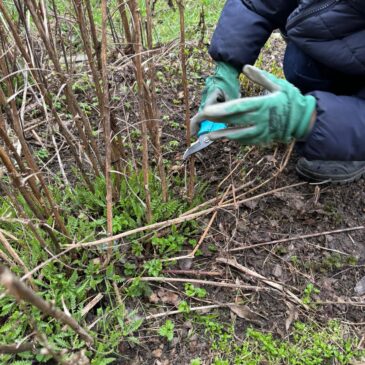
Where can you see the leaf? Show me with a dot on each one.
(168, 297)
(104, 361)
(244, 312)
(167, 330)
(292, 316)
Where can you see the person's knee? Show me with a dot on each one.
(302, 71)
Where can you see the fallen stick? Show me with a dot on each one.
(17, 348)
(192, 272)
(211, 221)
(340, 302)
(202, 282)
(262, 278)
(285, 240)
(193, 309)
(20, 291)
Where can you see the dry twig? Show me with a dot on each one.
(252, 273)
(17, 348)
(22, 293)
(305, 236)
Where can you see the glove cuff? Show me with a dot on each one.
(309, 106)
(225, 70)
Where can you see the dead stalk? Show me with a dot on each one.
(296, 238)
(107, 130)
(192, 309)
(152, 108)
(94, 37)
(22, 293)
(220, 284)
(81, 121)
(123, 14)
(27, 195)
(42, 85)
(278, 286)
(191, 162)
(17, 348)
(30, 160)
(12, 252)
(159, 225)
(20, 210)
(212, 219)
(139, 77)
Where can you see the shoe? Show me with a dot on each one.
(337, 172)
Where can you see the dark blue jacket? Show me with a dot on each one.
(331, 32)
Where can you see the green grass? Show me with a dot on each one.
(165, 20)
(307, 344)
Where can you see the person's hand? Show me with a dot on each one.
(279, 116)
(222, 86)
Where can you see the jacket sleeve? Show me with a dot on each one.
(339, 131)
(244, 27)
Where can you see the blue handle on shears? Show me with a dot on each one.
(207, 126)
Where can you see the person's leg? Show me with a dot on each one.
(305, 73)
(309, 75)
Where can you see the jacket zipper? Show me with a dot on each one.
(309, 12)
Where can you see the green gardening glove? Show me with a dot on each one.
(222, 86)
(279, 116)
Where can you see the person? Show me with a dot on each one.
(321, 102)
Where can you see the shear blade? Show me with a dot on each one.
(202, 142)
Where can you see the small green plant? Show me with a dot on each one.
(138, 288)
(167, 330)
(309, 290)
(135, 134)
(192, 291)
(153, 267)
(129, 269)
(137, 248)
(218, 361)
(175, 125)
(184, 307)
(196, 361)
(294, 260)
(170, 244)
(42, 154)
(309, 344)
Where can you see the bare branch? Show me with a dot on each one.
(21, 292)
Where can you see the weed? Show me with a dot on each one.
(167, 330)
(153, 267)
(42, 154)
(137, 248)
(192, 291)
(183, 307)
(138, 288)
(170, 244)
(219, 361)
(309, 344)
(309, 290)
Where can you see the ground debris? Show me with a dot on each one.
(244, 312)
(360, 287)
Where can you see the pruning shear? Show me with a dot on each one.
(203, 141)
